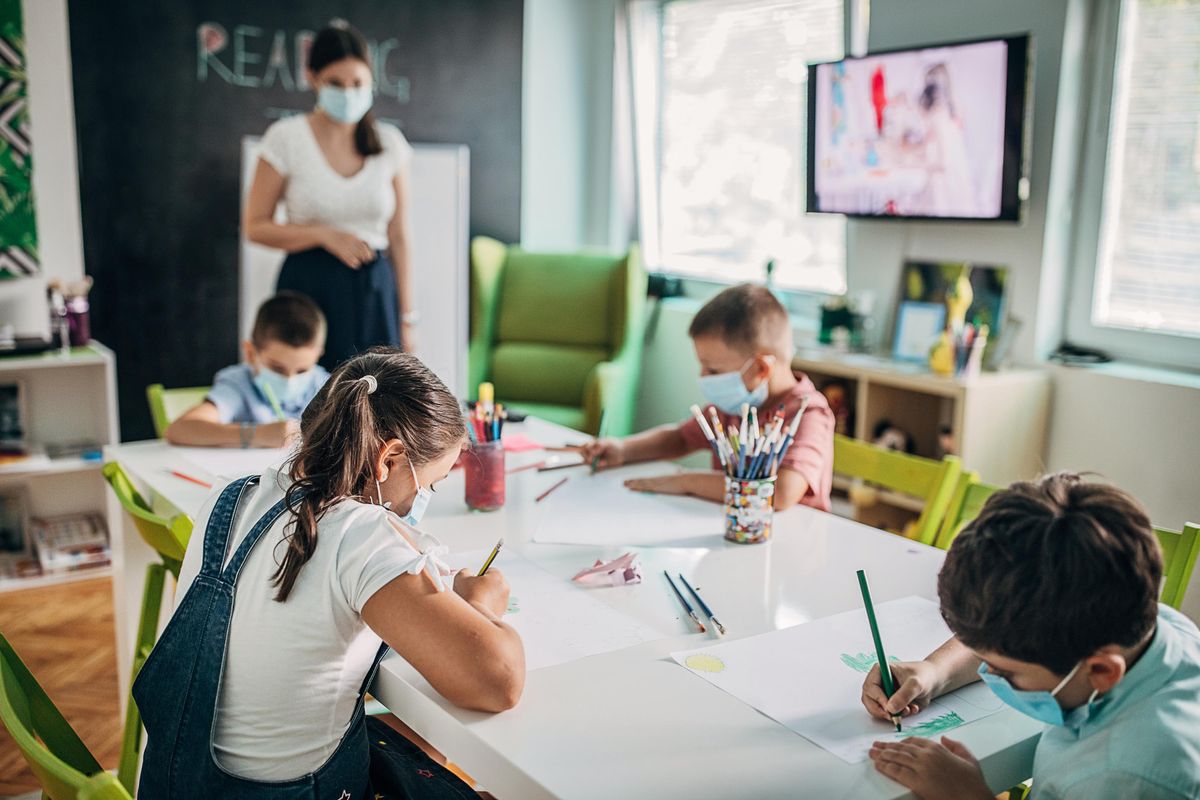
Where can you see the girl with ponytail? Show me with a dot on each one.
(343, 180)
(295, 583)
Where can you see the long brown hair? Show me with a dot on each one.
(342, 430)
(336, 41)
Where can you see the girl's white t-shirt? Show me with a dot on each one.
(316, 194)
(293, 669)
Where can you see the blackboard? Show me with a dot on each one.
(164, 93)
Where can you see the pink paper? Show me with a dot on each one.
(519, 443)
(618, 572)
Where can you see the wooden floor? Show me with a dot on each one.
(65, 635)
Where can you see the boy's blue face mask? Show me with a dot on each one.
(345, 105)
(1041, 705)
(727, 392)
(286, 391)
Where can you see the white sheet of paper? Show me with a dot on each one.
(598, 509)
(228, 462)
(809, 677)
(558, 621)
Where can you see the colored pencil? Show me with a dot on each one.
(487, 564)
(278, 409)
(546, 493)
(178, 474)
(683, 600)
(703, 605)
(599, 436)
(885, 672)
(553, 467)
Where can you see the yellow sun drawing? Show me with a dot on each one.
(702, 662)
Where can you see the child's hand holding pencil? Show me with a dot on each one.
(916, 685)
(606, 453)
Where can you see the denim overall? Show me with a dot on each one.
(178, 686)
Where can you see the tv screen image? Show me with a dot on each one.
(934, 132)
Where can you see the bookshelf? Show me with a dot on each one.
(69, 400)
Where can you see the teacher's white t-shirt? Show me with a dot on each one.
(293, 669)
(316, 194)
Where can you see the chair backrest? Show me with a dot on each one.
(166, 405)
(54, 752)
(169, 537)
(922, 478)
(543, 321)
(965, 504)
(1180, 549)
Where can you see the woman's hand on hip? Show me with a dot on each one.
(347, 248)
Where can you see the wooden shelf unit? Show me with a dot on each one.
(998, 419)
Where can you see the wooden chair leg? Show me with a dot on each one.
(131, 739)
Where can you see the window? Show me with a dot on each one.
(731, 151)
(1144, 248)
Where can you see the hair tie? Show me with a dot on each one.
(371, 383)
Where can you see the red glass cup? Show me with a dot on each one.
(483, 468)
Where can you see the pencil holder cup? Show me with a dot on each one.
(483, 469)
(749, 509)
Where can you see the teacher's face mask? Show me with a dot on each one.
(345, 105)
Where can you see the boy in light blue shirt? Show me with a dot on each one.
(1052, 593)
(258, 403)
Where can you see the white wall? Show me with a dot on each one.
(566, 125)
(1140, 429)
(52, 123)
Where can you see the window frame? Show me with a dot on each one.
(656, 261)
(1175, 350)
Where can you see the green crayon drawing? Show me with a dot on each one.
(862, 662)
(513, 606)
(933, 727)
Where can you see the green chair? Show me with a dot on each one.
(169, 538)
(965, 504)
(922, 478)
(166, 405)
(61, 761)
(560, 335)
(1180, 549)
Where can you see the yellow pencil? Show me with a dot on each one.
(495, 552)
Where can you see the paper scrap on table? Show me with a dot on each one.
(229, 462)
(618, 572)
(558, 621)
(809, 677)
(598, 509)
(519, 443)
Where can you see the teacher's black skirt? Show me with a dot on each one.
(359, 305)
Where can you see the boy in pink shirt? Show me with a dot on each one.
(743, 341)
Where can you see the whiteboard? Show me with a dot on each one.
(438, 214)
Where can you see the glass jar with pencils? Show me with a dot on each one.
(749, 509)
(483, 468)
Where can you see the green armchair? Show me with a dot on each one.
(560, 335)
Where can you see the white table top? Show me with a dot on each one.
(631, 723)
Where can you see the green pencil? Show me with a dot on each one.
(599, 436)
(885, 672)
(278, 409)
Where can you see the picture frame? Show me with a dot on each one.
(12, 419)
(918, 326)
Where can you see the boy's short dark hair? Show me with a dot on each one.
(290, 318)
(1051, 571)
(746, 317)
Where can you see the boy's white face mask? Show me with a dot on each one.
(728, 392)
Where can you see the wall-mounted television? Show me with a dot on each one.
(933, 132)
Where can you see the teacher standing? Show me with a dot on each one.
(343, 179)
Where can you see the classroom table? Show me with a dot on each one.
(632, 723)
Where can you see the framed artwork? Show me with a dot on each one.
(918, 326)
(929, 281)
(18, 233)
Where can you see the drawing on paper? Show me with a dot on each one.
(933, 727)
(862, 662)
(702, 662)
(513, 606)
